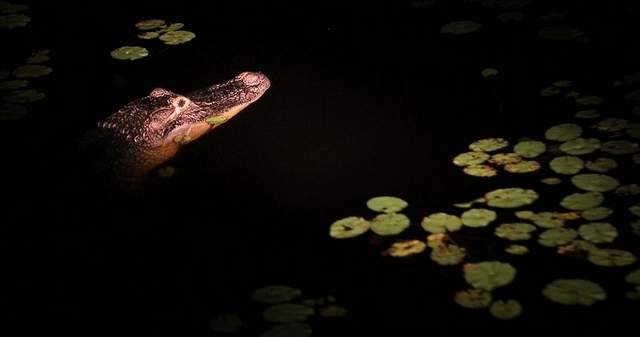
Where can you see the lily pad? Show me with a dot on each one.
(510, 17)
(548, 219)
(580, 146)
(287, 312)
(563, 132)
(595, 182)
(406, 248)
(37, 59)
(550, 91)
(505, 309)
(635, 227)
(9, 8)
(11, 112)
(150, 24)
(489, 72)
(636, 158)
(563, 84)
(175, 26)
(551, 181)
(530, 148)
(489, 275)
(349, 227)
(633, 277)
(469, 203)
(525, 166)
(628, 190)
(511, 197)
(471, 158)
(288, 330)
(589, 100)
(148, 35)
(177, 37)
(568, 165)
(480, 171)
(597, 213)
(620, 147)
(460, 27)
(588, 114)
(598, 232)
(275, 294)
(31, 71)
(226, 323)
(574, 292)
(560, 33)
(633, 130)
(473, 298)
(129, 53)
(612, 258)
(386, 204)
(13, 84)
(14, 20)
(333, 311)
(447, 255)
(611, 125)
(517, 249)
(515, 231)
(557, 236)
(635, 209)
(601, 165)
(505, 159)
(489, 144)
(389, 224)
(217, 120)
(23, 96)
(478, 217)
(441, 223)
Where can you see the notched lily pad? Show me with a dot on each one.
(460, 27)
(275, 294)
(489, 275)
(23, 96)
(505, 310)
(563, 132)
(598, 232)
(489, 144)
(580, 146)
(441, 223)
(530, 148)
(478, 217)
(177, 37)
(473, 298)
(405, 248)
(31, 71)
(389, 224)
(349, 227)
(612, 258)
(574, 292)
(386, 204)
(288, 312)
(471, 158)
(568, 165)
(620, 147)
(595, 182)
(517, 249)
(447, 255)
(129, 53)
(480, 171)
(515, 231)
(511, 197)
(557, 236)
(601, 165)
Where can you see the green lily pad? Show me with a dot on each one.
(31, 71)
(557, 236)
(287, 312)
(150, 24)
(568, 165)
(628, 190)
(129, 53)
(9, 8)
(574, 292)
(489, 275)
(589, 100)
(612, 258)
(505, 309)
(517, 249)
(488, 144)
(598, 232)
(633, 95)
(515, 231)
(505, 159)
(530, 148)
(23, 96)
(480, 171)
(580, 146)
(595, 182)
(548, 219)
(469, 203)
(526, 215)
(572, 94)
(38, 59)
(635, 227)
(12, 112)
(389, 224)
(13, 84)
(478, 217)
(460, 27)
(525, 166)
(217, 120)
(275, 294)
(349, 227)
(289, 330)
(633, 277)
(611, 125)
(447, 255)
(563, 132)
(386, 204)
(489, 72)
(550, 91)
(177, 37)
(148, 35)
(563, 84)
(510, 17)
(14, 20)
(406, 248)
(226, 323)
(588, 114)
(175, 26)
(473, 298)
(635, 209)
(633, 130)
(511, 197)
(596, 213)
(551, 181)
(601, 165)
(333, 311)
(470, 158)
(620, 147)
(441, 223)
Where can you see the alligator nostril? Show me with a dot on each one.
(251, 78)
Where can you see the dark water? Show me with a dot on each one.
(364, 101)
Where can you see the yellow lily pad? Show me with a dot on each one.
(470, 158)
(505, 159)
(480, 171)
(386, 204)
(489, 144)
(389, 224)
(150, 24)
(406, 248)
(349, 227)
(441, 223)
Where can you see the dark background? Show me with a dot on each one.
(366, 100)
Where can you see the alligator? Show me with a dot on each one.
(149, 131)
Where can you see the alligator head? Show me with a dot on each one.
(149, 131)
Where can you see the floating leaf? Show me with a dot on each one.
(517, 249)
(23, 96)
(633, 277)
(597, 213)
(515, 231)
(550, 91)
(31, 71)
(9, 8)
(478, 217)
(166, 172)
(275, 294)
(580, 146)
(13, 84)
(563, 84)
(38, 59)
(14, 20)
(568, 165)
(635, 227)
(559, 33)
(628, 190)
(389, 224)
(557, 236)
(480, 171)
(636, 158)
(406, 248)
(633, 130)
(175, 26)
(574, 292)
(489, 144)
(288, 330)
(460, 27)
(612, 258)
(635, 209)
(530, 148)
(11, 112)
(510, 17)
(333, 311)
(506, 309)
(441, 223)
(579, 247)
(589, 100)
(349, 227)
(226, 323)
(287, 312)
(470, 203)
(510, 197)
(598, 232)
(548, 219)
(505, 159)
(588, 114)
(551, 181)
(435, 240)
(525, 166)
(601, 165)
(489, 72)
(473, 298)
(150, 24)
(563, 132)
(595, 182)
(447, 255)
(177, 37)
(129, 53)
(611, 125)
(386, 204)
(148, 35)
(470, 158)
(489, 275)
(620, 147)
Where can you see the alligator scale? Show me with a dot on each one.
(149, 131)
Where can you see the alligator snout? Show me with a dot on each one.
(253, 79)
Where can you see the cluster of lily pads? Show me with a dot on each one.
(169, 34)
(288, 313)
(11, 15)
(16, 83)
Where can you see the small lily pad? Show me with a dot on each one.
(217, 120)
(550, 91)
(177, 37)
(11, 112)
(447, 255)
(611, 125)
(480, 171)
(14, 20)
(563, 132)
(37, 59)
(389, 224)
(471, 158)
(510, 17)
(460, 27)
(628, 190)
(31, 71)
(589, 100)
(9, 8)
(511, 197)
(489, 275)
(530, 148)
(620, 147)
(633, 277)
(598, 232)
(517, 249)
(612, 258)
(275, 294)
(489, 144)
(333, 311)
(287, 312)
(295, 329)
(601, 165)
(175, 26)
(505, 309)
(148, 35)
(478, 217)
(574, 292)
(505, 159)
(525, 166)
(557, 236)
(580, 146)
(551, 181)
(150, 24)
(406, 248)
(473, 298)
(386, 204)
(596, 213)
(226, 323)
(441, 223)
(548, 219)
(515, 231)
(635, 227)
(349, 227)
(595, 182)
(13, 84)
(635, 209)
(129, 53)
(23, 96)
(568, 165)
(563, 84)
(489, 72)
(588, 114)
